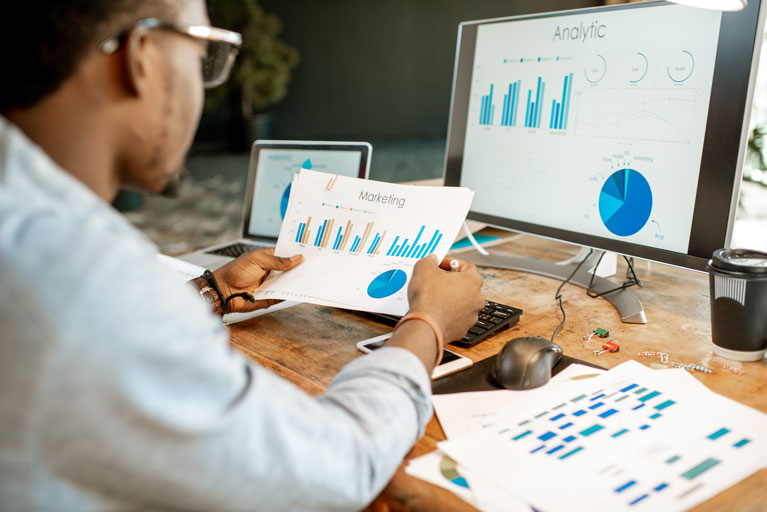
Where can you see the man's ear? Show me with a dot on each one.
(138, 64)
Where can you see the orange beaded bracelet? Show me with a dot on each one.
(434, 327)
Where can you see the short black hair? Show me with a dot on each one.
(43, 41)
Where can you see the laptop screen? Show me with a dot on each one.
(272, 167)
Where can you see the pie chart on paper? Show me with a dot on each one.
(625, 202)
(449, 469)
(387, 284)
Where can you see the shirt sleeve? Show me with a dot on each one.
(145, 402)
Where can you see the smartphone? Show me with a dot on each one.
(451, 362)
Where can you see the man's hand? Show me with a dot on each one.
(247, 272)
(452, 298)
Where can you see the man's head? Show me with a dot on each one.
(137, 100)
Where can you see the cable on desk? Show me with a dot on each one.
(558, 295)
(631, 278)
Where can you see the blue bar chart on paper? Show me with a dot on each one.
(366, 240)
(487, 110)
(415, 246)
(563, 428)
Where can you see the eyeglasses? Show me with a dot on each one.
(221, 46)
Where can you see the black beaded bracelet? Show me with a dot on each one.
(211, 280)
(244, 295)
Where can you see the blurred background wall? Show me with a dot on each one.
(375, 69)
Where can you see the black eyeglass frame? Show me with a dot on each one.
(198, 32)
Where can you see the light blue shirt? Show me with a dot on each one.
(119, 390)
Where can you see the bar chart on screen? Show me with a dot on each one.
(361, 239)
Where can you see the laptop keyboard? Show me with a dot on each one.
(235, 250)
(494, 318)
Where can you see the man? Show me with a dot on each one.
(117, 386)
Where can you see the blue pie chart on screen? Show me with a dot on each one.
(625, 202)
(387, 284)
(284, 201)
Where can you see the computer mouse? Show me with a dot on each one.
(525, 363)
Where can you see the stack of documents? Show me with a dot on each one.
(360, 239)
(627, 439)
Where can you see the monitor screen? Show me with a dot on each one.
(273, 165)
(620, 128)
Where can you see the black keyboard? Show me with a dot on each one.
(494, 318)
(235, 250)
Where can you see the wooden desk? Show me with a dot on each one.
(309, 344)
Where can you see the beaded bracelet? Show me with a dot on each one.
(220, 305)
(211, 280)
(434, 327)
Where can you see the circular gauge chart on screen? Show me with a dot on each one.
(284, 201)
(625, 202)
(387, 283)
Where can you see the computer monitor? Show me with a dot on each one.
(620, 128)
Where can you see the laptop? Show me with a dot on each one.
(272, 166)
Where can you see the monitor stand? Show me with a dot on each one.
(628, 306)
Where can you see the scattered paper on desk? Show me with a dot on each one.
(233, 318)
(442, 471)
(439, 469)
(360, 239)
(629, 439)
(460, 413)
(184, 270)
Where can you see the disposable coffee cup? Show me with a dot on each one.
(738, 292)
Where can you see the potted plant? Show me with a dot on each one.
(261, 74)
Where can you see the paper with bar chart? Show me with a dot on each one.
(631, 438)
(360, 239)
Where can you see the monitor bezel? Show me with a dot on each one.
(724, 144)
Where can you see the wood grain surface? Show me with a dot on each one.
(309, 344)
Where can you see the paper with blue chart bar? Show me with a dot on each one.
(360, 239)
(460, 413)
(629, 439)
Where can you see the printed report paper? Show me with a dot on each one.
(629, 439)
(360, 239)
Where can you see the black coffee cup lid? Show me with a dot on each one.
(740, 260)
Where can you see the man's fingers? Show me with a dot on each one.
(244, 306)
(270, 262)
(263, 304)
(445, 263)
(428, 261)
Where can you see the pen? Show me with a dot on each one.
(454, 265)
